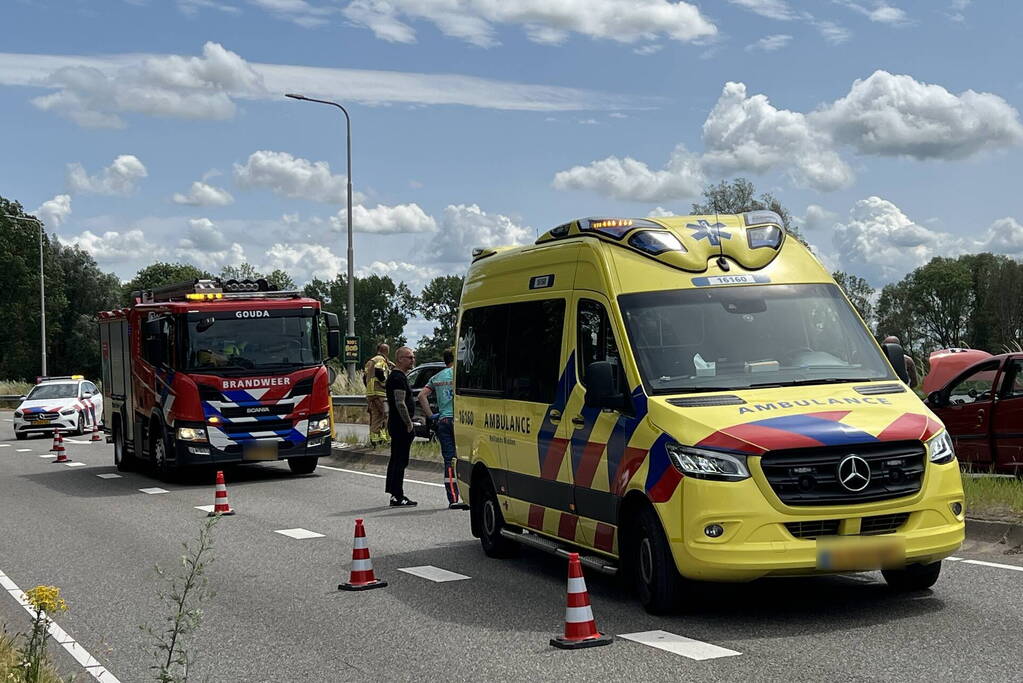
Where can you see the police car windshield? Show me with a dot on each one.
(233, 344)
(738, 337)
(48, 391)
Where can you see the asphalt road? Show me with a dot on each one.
(277, 615)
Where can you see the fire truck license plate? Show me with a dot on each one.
(260, 450)
(860, 554)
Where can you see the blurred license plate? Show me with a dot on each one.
(40, 422)
(860, 554)
(261, 451)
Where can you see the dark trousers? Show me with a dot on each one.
(446, 437)
(401, 442)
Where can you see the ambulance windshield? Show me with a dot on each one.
(740, 337)
(281, 340)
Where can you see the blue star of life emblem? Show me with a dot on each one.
(712, 233)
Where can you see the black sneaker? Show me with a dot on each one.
(457, 505)
(404, 503)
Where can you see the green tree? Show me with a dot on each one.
(941, 295)
(439, 302)
(895, 315)
(278, 279)
(860, 293)
(739, 196)
(382, 307)
(160, 274)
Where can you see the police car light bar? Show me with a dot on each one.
(49, 378)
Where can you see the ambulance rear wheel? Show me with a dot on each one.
(652, 565)
(490, 520)
(915, 577)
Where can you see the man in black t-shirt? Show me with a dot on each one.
(400, 407)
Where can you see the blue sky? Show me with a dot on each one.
(152, 129)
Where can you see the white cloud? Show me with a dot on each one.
(53, 212)
(770, 43)
(817, 218)
(749, 134)
(660, 212)
(304, 261)
(894, 115)
(169, 85)
(772, 9)
(386, 220)
(466, 226)
(649, 49)
(832, 32)
(204, 236)
(293, 177)
(1004, 236)
(201, 194)
(113, 247)
(631, 179)
(473, 21)
(588, 122)
(191, 8)
(881, 12)
(415, 276)
(94, 91)
(119, 178)
(297, 11)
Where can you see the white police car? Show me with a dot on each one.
(68, 403)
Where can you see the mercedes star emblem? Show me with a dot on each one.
(854, 473)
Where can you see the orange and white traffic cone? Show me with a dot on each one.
(220, 504)
(58, 447)
(362, 577)
(580, 628)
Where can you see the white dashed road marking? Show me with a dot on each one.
(5, 445)
(24, 450)
(75, 464)
(80, 654)
(204, 508)
(953, 559)
(982, 563)
(433, 573)
(680, 645)
(154, 489)
(109, 475)
(298, 533)
(380, 476)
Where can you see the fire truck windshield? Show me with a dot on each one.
(256, 343)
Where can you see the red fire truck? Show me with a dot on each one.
(208, 373)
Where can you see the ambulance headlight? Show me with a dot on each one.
(320, 425)
(192, 434)
(939, 449)
(69, 411)
(704, 464)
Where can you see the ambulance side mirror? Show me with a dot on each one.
(897, 357)
(600, 387)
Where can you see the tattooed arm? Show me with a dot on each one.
(399, 403)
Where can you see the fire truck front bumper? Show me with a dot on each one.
(254, 450)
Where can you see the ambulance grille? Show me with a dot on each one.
(882, 524)
(809, 476)
(813, 529)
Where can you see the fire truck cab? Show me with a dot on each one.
(209, 373)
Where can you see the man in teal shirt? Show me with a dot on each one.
(442, 384)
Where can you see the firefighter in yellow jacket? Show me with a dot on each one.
(375, 376)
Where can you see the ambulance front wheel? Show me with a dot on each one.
(656, 580)
(915, 577)
(489, 519)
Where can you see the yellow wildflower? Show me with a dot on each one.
(47, 599)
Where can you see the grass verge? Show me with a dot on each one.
(993, 497)
(10, 388)
(9, 668)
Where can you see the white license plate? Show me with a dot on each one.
(261, 450)
(860, 553)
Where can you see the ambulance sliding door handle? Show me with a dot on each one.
(554, 416)
(579, 421)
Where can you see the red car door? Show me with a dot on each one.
(966, 408)
(1007, 428)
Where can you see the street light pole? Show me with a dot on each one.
(351, 252)
(42, 285)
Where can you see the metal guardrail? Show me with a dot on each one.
(11, 397)
(349, 400)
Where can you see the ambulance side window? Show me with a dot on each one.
(482, 343)
(534, 358)
(595, 340)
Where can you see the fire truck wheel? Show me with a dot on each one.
(302, 465)
(652, 565)
(122, 460)
(165, 469)
(490, 520)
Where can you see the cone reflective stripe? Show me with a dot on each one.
(362, 577)
(580, 627)
(220, 504)
(58, 447)
(95, 422)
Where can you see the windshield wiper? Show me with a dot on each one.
(694, 390)
(806, 382)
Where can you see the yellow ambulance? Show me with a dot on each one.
(692, 397)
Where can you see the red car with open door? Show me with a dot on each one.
(982, 408)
